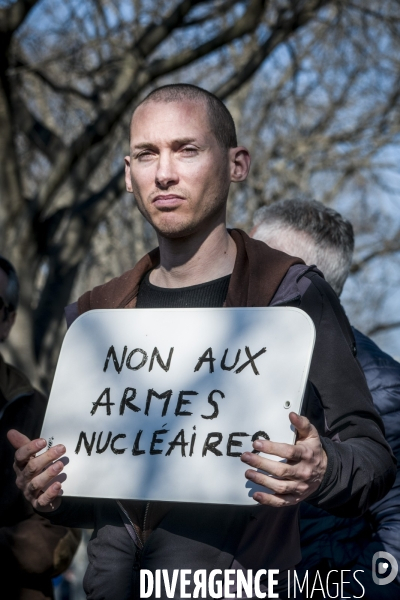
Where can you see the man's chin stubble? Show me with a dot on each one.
(175, 231)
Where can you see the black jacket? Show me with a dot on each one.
(31, 550)
(351, 543)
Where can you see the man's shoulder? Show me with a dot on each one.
(22, 406)
(13, 382)
(118, 292)
(258, 272)
(370, 354)
(300, 280)
(383, 377)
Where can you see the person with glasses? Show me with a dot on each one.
(31, 550)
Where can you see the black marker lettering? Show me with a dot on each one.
(206, 357)
(111, 353)
(212, 446)
(214, 404)
(155, 440)
(104, 448)
(117, 450)
(141, 364)
(83, 438)
(192, 441)
(160, 361)
(176, 442)
(182, 401)
(107, 403)
(251, 360)
(127, 401)
(257, 435)
(136, 450)
(223, 365)
(165, 395)
(232, 442)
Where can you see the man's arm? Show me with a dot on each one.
(360, 467)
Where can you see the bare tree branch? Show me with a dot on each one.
(12, 17)
(282, 30)
(44, 139)
(97, 203)
(82, 222)
(383, 327)
(389, 247)
(61, 89)
(216, 11)
(390, 18)
(155, 34)
(246, 24)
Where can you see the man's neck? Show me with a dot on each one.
(196, 259)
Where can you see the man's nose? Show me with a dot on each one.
(166, 174)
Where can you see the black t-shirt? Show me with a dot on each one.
(211, 294)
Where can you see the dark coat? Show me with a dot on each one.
(32, 551)
(351, 543)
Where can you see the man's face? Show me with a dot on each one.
(177, 171)
(6, 318)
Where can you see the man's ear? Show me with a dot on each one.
(128, 179)
(239, 159)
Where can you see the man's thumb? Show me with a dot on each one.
(302, 424)
(17, 439)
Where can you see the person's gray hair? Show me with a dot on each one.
(322, 236)
(12, 290)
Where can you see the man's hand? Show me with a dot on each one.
(34, 473)
(296, 479)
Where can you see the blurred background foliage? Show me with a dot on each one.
(313, 85)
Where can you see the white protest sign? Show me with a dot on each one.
(158, 404)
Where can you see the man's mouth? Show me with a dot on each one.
(168, 200)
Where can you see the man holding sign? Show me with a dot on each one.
(183, 157)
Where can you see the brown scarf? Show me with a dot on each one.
(256, 276)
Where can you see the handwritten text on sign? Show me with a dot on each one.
(160, 404)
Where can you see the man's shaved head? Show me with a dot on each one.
(220, 119)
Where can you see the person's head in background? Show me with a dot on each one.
(9, 295)
(311, 231)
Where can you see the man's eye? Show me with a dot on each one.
(145, 155)
(189, 150)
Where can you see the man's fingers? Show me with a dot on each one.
(275, 499)
(27, 451)
(276, 468)
(36, 465)
(50, 499)
(40, 482)
(36, 473)
(292, 453)
(17, 439)
(303, 426)
(279, 486)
